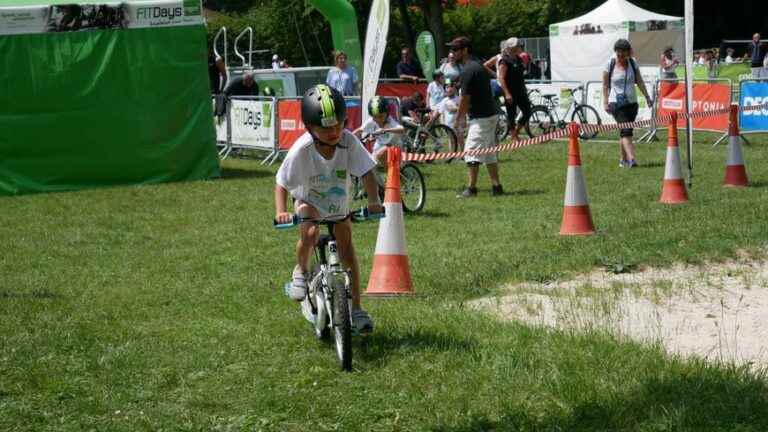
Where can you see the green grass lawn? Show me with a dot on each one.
(161, 307)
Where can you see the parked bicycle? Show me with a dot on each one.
(503, 125)
(546, 118)
(327, 304)
(413, 190)
(425, 135)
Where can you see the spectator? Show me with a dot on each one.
(729, 56)
(447, 109)
(450, 69)
(275, 62)
(243, 85)
(668, 63)
(619, 79)
(342, 77)
(710, 63)
(511, 77)
(476, 101)
(408, 68)
(534, 72)
(435, 90)
(756, 55)
(492, 64)
(217, 71)
(524, 56)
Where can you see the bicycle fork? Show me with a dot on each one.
(337, 282)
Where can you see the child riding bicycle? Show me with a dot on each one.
(382, 127)
(316, 172)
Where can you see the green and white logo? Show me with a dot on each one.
(191, 7)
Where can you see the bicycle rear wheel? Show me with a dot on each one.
(440, 139)
(342, 328)
(541, 121)
(413, 191)
(502, 126)
(586, 115)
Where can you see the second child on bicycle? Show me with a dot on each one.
(382, 127)
(447, 109)
(316, 173)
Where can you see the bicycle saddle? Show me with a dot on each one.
(549, 96)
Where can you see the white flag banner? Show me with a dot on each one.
(689, 82)
(375, 45)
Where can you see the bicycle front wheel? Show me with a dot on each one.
(586, 115)
(540, 122)
(441, 139)
(342, 328)
(502, 126)
(412, 188)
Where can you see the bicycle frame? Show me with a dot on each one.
(323, 287)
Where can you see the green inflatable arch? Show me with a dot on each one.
(343, 19)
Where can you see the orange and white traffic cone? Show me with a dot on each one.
(735, 172)
(577, 219)
(673, 189)
(391, 274)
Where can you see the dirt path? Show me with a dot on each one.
(718, 311)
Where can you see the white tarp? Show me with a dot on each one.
(581, 47)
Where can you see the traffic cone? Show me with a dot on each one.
(577, 219)
(391, 273)
(673, 189)
(735, 172)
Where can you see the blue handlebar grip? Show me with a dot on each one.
(293, 223)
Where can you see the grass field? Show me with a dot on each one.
(161, 308)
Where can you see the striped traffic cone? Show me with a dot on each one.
(735, 172)
(577, 219)
(673, 189)
(391, 273)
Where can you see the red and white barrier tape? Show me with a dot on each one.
(562, 133)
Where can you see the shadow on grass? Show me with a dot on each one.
(525, 192)
(33, 295)
(237, 173)
(654, 164)
(759, 184)
(704, 399)
(380, 346)
(429, 214)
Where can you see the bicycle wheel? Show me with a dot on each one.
(342, 327)
(317, 299)
(586, 115)
(412, 188)
(541, 121)
(440, 139)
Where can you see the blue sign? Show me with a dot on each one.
(753, 93)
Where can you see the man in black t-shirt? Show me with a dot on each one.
(477, 102)
(242, 86)
(408, 68)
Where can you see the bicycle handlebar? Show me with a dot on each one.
(357, 216)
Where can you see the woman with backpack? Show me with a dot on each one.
(619, 79)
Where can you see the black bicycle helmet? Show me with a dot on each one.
(622, 44)
(323, 106)
(378, 105)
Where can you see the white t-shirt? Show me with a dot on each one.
(448, 109)
(622, 80)
(370, 127)
(435, 94)
(728, 59)
(321, 182)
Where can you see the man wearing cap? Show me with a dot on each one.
(477, 102)
(511, 72)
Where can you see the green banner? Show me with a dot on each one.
(425, 51)
(733, 71)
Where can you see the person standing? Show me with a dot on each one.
(668, 63)
(341, 76)
(275, 62)
(435, 90)
(756, 54)
(477, 102)
(243, 85)
(619, 79)
(511, 72)
(408, 68)
(450, 69)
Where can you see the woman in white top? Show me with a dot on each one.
(619, 79)
(668, 63)
(342, 77)
(450, 69)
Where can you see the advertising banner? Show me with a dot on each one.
(375, 45)
(401, 90)
(425, 51)
(73, 17)
(252, 123)
(753, 93)
(706, 97)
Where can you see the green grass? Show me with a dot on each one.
(161, 308)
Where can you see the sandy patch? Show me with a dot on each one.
(718, 312)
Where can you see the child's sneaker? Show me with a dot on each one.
(632, 164)
(299, 285)
(362, 322)
(623, 163)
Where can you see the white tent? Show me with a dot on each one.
(580, 48)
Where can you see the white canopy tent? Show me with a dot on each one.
(580, 48)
